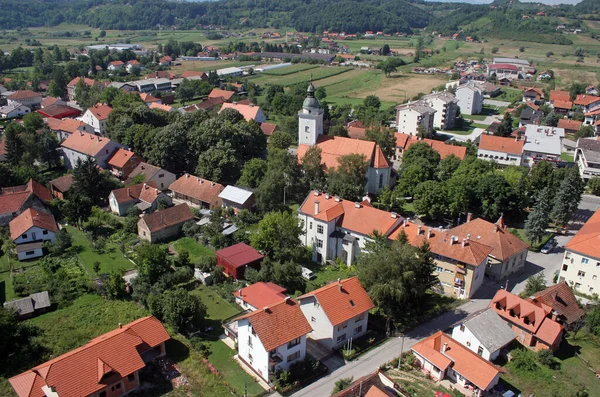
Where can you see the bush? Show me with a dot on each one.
(191, 229)
(206, 263)
(594, 186)
(342, 384)
(523, 360)
(546, 357)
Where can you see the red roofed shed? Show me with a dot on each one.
(236, 258)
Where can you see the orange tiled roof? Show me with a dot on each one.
(342, 300)
(121, 157)
(569, 124)
(67, 125)
(585, 241)
(23, 94)
(333, 147)
(218, 93)
(501, 144)
(100, 111)
(49, 100)
(191, 73)
(77, 372)
(586, 100)
(248, 111)
(268, 128)
(261, 294)
(117, 63)
(558, 95)
(85, 143)
(198, 188)
(442, 148)
(13, 198)
(159, 106)
(375, 391)
(563, 104)
(278, 324)
(474, 368)
(29, 218)
(147, 192)
(147, 98)
(171, 216)
(560, 298)
(75, 81)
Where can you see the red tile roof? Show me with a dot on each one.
(147, 98)
(191, 73)
(30, 218)
(171, 216)
(557, 95)
(121, 157)
(374, 391)
(62, 183)
(278, 324)
(261, 294)
(532, 105)
(563, 104)
(117, 63)
(85, 143)
(24, 94)
(160, 106)
(67, 125)
(13, 198)
(77, 372)
(401, 139)
(49, 101)
(442, 148)
(567, 124)
(198, 188)
(100, 111)
(268, 128)
(505, 66)
(561, 299)
(250, 112)
(333, 147)
(75, 81)
(342, 300)
(501, 144)
(218, 93)
(468, 364)
(585, 241)
(147, 192)
(239, 254)
(586, 100)
(59, 111)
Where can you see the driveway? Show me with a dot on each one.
(464, 138)
(493, 102)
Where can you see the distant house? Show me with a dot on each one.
(197, 192)
(72, 85)
(165, 61)
(144, 196)
(587, 102)
(237, 198)
(66, 127)
(164, 224)
(159, 106)
(151, 173)
(96, 116)
(562, 300)
(59, 111)
(542, 143)
(25, 97)
(587, 158)
(107, 366)
(131, 64)
(235, 259)
(592, 90)
(60, 186)
(82, 145)
(223, 94)
(483, 332)
(14, 110)
(149, 99)
(562, 107)
(501, 150)
(259, 295)
(268, 128)
(533, 94)
(30, 230)
(115, 65)
(31, 306)
(123, 162)
(445, 105)
(558, 95)
(249, 112)
(570, 126)
(337, 312)
(16, 199)
(192, 73)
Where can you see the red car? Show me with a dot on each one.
(442, 394)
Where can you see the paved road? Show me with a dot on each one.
(493, 102)
(463, 138)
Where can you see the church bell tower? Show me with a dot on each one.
(310, 119)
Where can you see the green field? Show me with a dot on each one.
(194, 248)
(299, 67)
(287, 80)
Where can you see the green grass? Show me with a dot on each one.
(567, 157)
(299, 77)
(217, 308)
(283, 71)
(520, 233)
(326, 274)
(509, 95)
(6, 288)
(194, 248)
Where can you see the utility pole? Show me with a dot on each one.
(401, 351)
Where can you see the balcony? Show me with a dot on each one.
(275, 358)
(459, 276)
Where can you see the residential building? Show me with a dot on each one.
(59, 111)
(542, 143)
(150, 173)
(14, 110)
(562, 107)
(501, 150)
(587, 102)
(532, 323)
(484, 333)
(235, 259)
(250, 112)
(29, 230)
(115, 65)
(50, 100)
(123, 162)
(16, 199)
(60, 186)
(271, 339)
(587, 157)
(126, 87)
(405, 141)
(192, 73)
(237, 198)
(28, 98)
(337, 312)
(131, 64)
(530, 116)
(445, 106)
(30, 306)
(160, 106)
(413, 115)
(196, 192)
(107, 366)
(570, 126)
(441, 357)
(592, 90)
(258, 295)
(561, 299)
(72, 85)
(164, 224)
(268, 129)
(149, 99)
(558, 95)
(470, 98)
(82, 145)
(223, 94)
(144, 196)
(581, 263)
(504, 70)
(377, 384)
(65, 128)
(533, 95)
(97, 116)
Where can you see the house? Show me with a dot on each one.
(223, 94)
(161, 107)
(501, 150)
(67, 127)
(60, 186)
(131, 64)
(164, 224)
(562, 107)
(106, 366)
(530, 116)
(82, 145)
(123, 162)
(125, 87)
(258, 295)
(483, 332)
(337, 312)
(165, 61)
(531, 323)
(16, 199)
(470, 98)
(592, 90)
(587, 157)
(145, 172)
(587, 102)
(377, 384)
(250, 112)
(542, 143)
(59, 111)
(144, 196)
(14, 110)
(504, 70)
(445, 105)
(237, 198)
(271, 339)
(30, 230)
(28, 98)
(570, 126)
(192, 73)
(489, 90)
(268, 128)
(115, 65)
(207, 104)
(72, 85)
(558, 95)
(30, 306)
(562, 300)
(412, 115)
(532, 94)
(149, 99)
(196, 192)
(97, 116)
(356, 129)
(581, 263)
(441, 357)
(235, 259)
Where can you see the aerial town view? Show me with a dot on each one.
(347, 198)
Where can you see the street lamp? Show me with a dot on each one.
(401, 351)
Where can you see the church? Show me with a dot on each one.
(310, 133)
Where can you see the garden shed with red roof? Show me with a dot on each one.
(235, 259)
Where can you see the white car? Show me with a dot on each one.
(307, 273)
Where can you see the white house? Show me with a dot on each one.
(484, 333)
(144, 196)
(116, 65)
(25, 97)
(410, 116)
(14, 110)
(543, 143)
(501, 150)
(337, 312)
(470, 98)
(259, 295)
(96, 116)
(30, 230)
(82, 145)
(445, 106)
(272, 338)
(587, 157)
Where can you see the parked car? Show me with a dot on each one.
(307, 273)
(547, 248)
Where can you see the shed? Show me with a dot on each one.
(30, 306)
(237, 198)
(236, 258)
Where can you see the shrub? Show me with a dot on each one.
(523, 360)
(594, 186)
(342, 384)
(546, 357)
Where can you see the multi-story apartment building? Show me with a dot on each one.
(410, 116)
(445, 105)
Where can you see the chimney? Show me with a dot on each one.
(340, 284)
(337, 199)
(326, 196)
(316, 207)
(356, 205)
(187, 175)
(464, 240)
(145, 186)
(468, 236)
(451, 240)
(240, 292)
(128, 192)
(469, 217)
(120, 325)
(394, 215)
(428, 233)
(212, 184)
(287, 299)
(316, 193)
(419, 230)
(445, 347)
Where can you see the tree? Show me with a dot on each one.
(495, 50)
(87, 178)
(387, 67)
(280, 140)
(54, 90)
(13, 143)
(576, 89)
(18, 343)
(96, 267)
(62, 242)
(384, 137)
(551, 119)
(48, 149)
(77, 209)
(186, 91)
(537, 220)
(342, 384)
(288, 274)
(314, 169)
(592, 320)
(278, 236)
(541, 176)
(447, 166)
(586, 131)
(283, 181)
(431, 200)
(535, 284)
(349, 178)
(567, 198)
(385, 50)
(594, 185)
(219, 163)
(151, 261)
(253, 173)
(506, 125)
(178, 307)
(114, 285)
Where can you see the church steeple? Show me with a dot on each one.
(310, 118)
(311, 102)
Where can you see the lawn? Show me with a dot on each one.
(520, 233)
(319, 73)
(325, 274)
(6, 289)
(567, 157)
(194, 248)
(509, 95)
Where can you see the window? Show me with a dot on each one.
(310, 225)
(341, 338)
(320, 229)
(130, 377)
(581, 273)
(591, 289)
(565, 267)
(585, 261)
(249, 341)
(29, 253)
(293, 357)
(343, 326)
(480, 351)
(102, 394)
(577, 285)
(161, 175)
(306, 128)
(313, 320)
(45, 232)
(319, 243)
(462, 328)
(358, 330)
(24, 235)
(250, 358)
(293, 343)
(118, 386)
(594, 277)
(597, 264)
(439, 269)
(381, 181)
(360, 317)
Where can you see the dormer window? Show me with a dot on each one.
(526, 320)
(511, 312)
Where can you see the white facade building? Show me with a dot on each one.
(30, 230)
(501, 150)
(97, 117)
(310, 119)
(411, 115)
(14, 110)
(445, 105)
(542, 143)
(470, 98)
